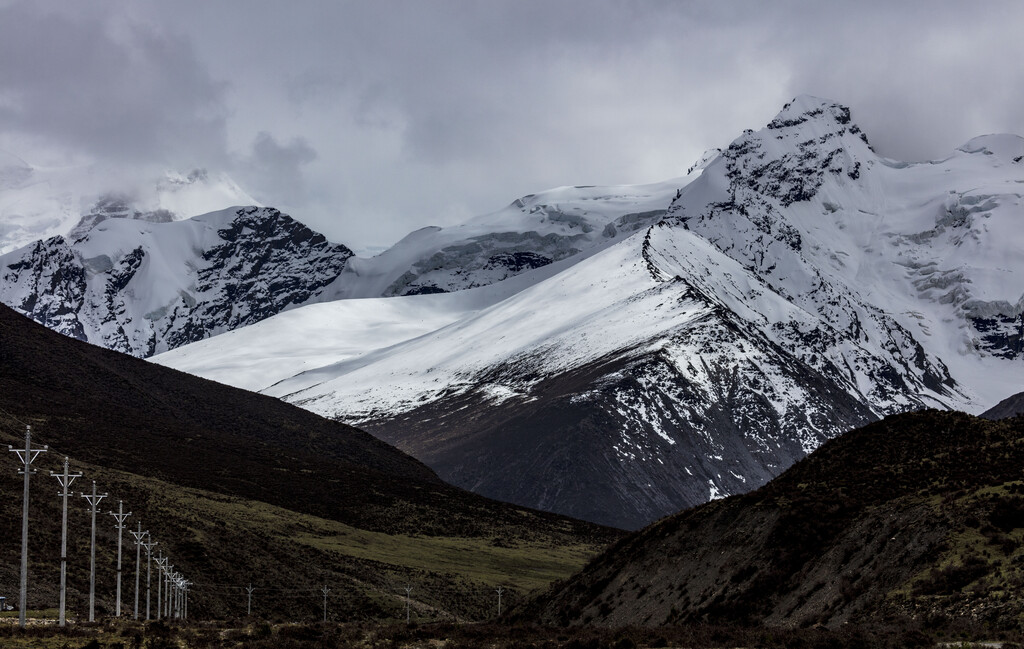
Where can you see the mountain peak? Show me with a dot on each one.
(141, 286)
(1002, 145)
(807, 108)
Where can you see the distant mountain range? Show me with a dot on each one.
(611, 353)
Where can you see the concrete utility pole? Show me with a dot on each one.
(248, 608)
(120, 517)
(138, 555)
(94, 501)
(325, 590)
(184, 598)
(65, 479)
(169, 584)
(27, 456)
(408, 592)
(161, 563)
(149, 568)
(172, 593)
(499, 591)
(179, 594)
(176, 608)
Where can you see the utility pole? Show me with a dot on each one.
(325, 590)
(179, 583)
(120, 517)
(161, 563)
(138, 552)
(65, 479)
(94, 501)
(168, 575)
(172, 593)
(27, 456)
(499, 591)
(176, 609)
(408, 592)
(149, 567)
(248, 608)
(184, 596)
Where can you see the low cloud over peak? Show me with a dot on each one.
(367, 120)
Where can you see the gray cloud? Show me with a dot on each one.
(370, 119)
(274, 170)
(921, 77)
(126, 92)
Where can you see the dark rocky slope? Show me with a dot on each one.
(919, 515)
(1009, 407)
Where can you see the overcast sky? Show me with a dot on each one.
(368, 119)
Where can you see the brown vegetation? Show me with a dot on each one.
(915, 517)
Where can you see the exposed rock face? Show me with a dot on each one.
(141, 287)
(49, 284)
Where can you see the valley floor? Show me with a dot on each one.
(263, 635)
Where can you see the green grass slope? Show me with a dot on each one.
(242, 488)
(917, 516)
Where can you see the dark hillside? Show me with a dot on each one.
(240, 487)
(120, 412)
(919, 514)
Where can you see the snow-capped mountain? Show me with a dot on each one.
(42, 202)
(555, 227)
(531, 232)
(143, 287)
(797, 287)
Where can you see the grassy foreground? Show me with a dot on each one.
(263, 635)
(224, 543)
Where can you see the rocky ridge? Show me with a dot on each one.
(143, 287)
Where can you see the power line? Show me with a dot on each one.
(13, 417)
(172, 584)
(175, 582)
